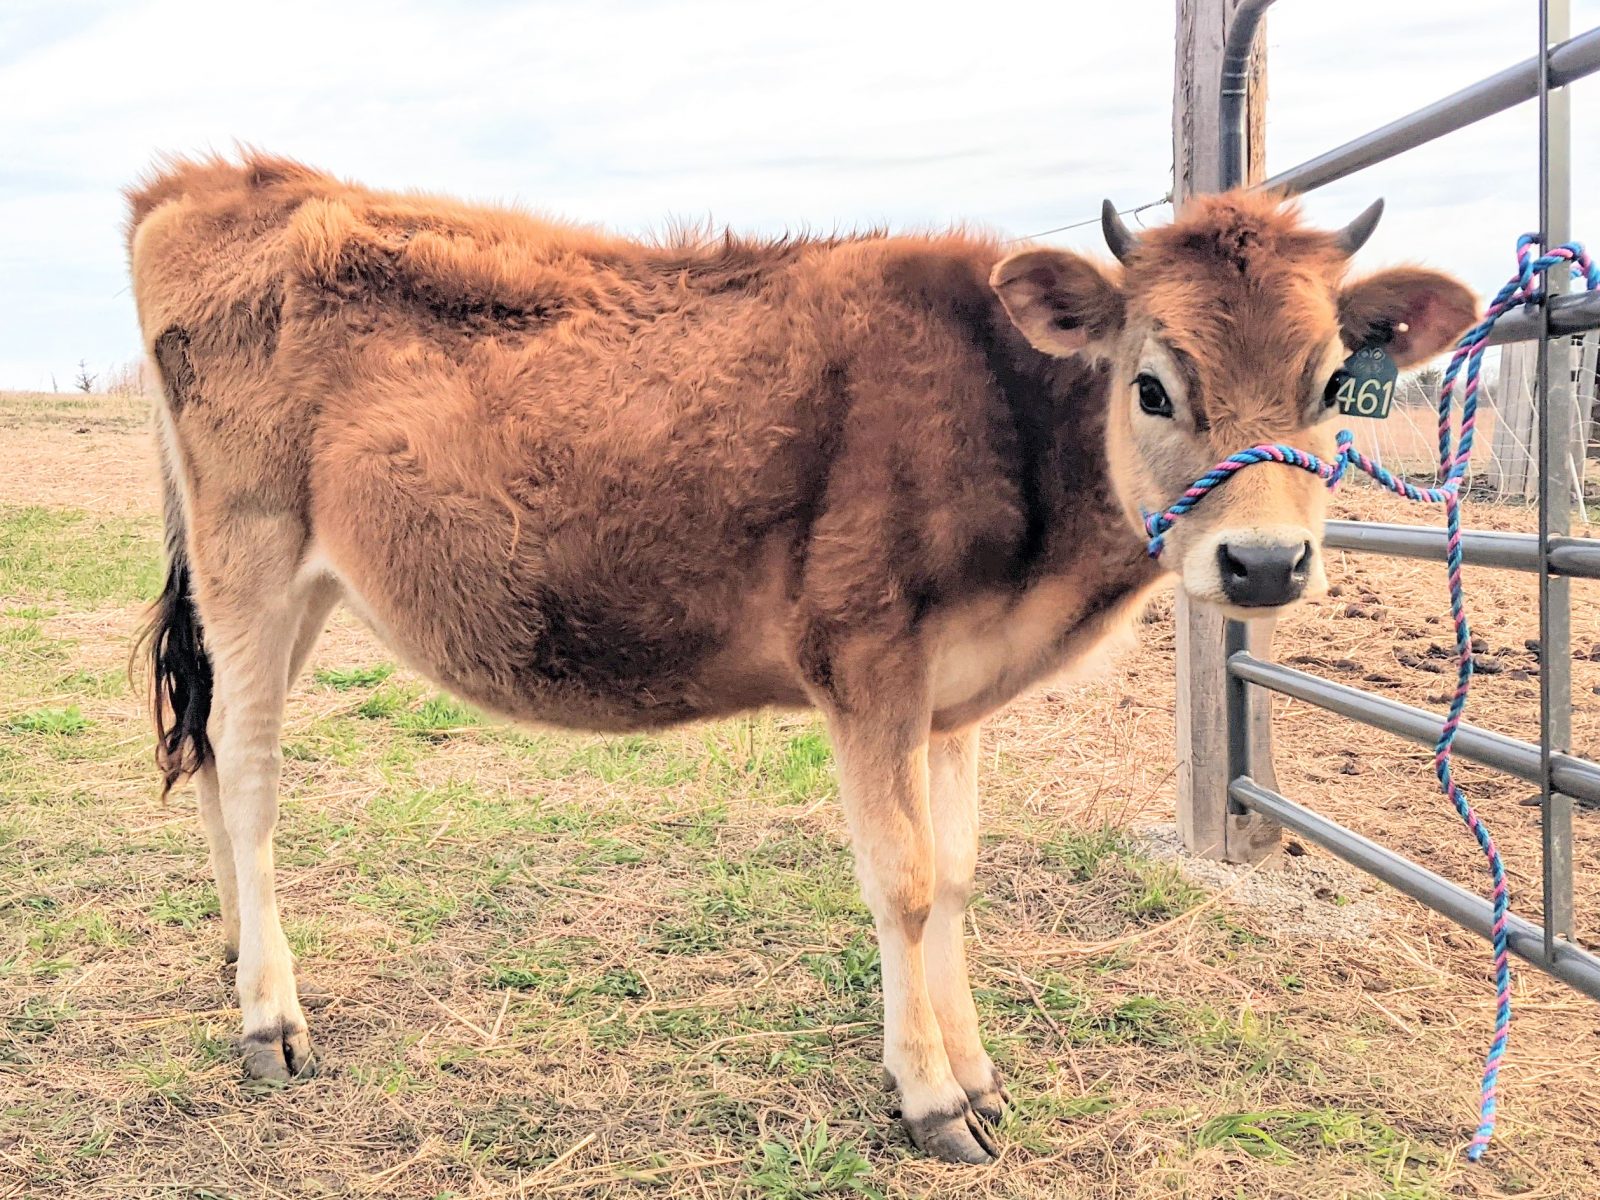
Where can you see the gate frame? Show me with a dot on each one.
(1228, 805)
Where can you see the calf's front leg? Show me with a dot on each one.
(953, 804)
(883, 777)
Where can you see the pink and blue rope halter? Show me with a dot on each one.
(1455, 455)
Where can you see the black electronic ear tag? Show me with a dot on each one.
(1366, 383)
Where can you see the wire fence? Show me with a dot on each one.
(1506, 467)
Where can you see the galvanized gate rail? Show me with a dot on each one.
(1551, 554)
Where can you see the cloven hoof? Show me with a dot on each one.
(991, 1103)
(953, 1137)
(277, 1055)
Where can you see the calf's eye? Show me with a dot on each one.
(1330, 394)
(1153, 398)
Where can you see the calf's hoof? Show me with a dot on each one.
(956, 1136)
(278, 1054)
(990, 1103)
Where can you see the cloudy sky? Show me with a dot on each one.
(766, 116)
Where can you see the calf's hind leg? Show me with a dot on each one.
(253, 611)
(321, 596)
(221, 850)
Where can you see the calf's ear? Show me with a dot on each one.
(1416, 313)
(1061, 302)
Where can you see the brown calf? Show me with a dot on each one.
(585, 481)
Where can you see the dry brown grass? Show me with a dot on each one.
(566, 966)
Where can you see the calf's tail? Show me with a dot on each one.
(172, 647)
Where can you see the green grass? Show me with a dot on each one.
(1161, 891)
(87, 930)
(630, 761)
(353, 677)
(621, 983)
(30, 654)
(415, 904)
(431, 717)
(437, 716)
(168, 1080)
(70, 556)
(48, 722)
(1080, 853)
(760, 755)
(511, 1133)
(1284, 1135)
(337, 740)
(812, 1163)
(540, 969)
(1149, 891)
(392, 1077)
(96, 684)
(317, 937)
(855, 969)
(187, 908)
(386, 702)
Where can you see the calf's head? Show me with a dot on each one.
(1223, 330)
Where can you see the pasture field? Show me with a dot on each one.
(546, 964)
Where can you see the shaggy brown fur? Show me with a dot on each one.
(581, 480)
(596, 461)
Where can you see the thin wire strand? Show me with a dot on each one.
(1126, 212)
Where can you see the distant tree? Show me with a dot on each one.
(85, 380)
(126, 379)
(1420, 387)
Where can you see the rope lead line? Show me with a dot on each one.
(1455, 455)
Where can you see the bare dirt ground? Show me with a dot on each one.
(551, 965)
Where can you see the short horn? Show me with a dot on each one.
(1122, 240)
(1354, 235)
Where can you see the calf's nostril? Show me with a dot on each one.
(1302, 565)
(1232, 566)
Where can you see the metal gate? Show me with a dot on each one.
(1551, 554)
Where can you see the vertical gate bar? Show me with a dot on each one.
(1236, 699)
(1248, 717)
(1234, 152)
(1554, 374)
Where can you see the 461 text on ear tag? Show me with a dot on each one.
(1367, 389)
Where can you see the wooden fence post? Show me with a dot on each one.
(1205, 823)
(1513, 469)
